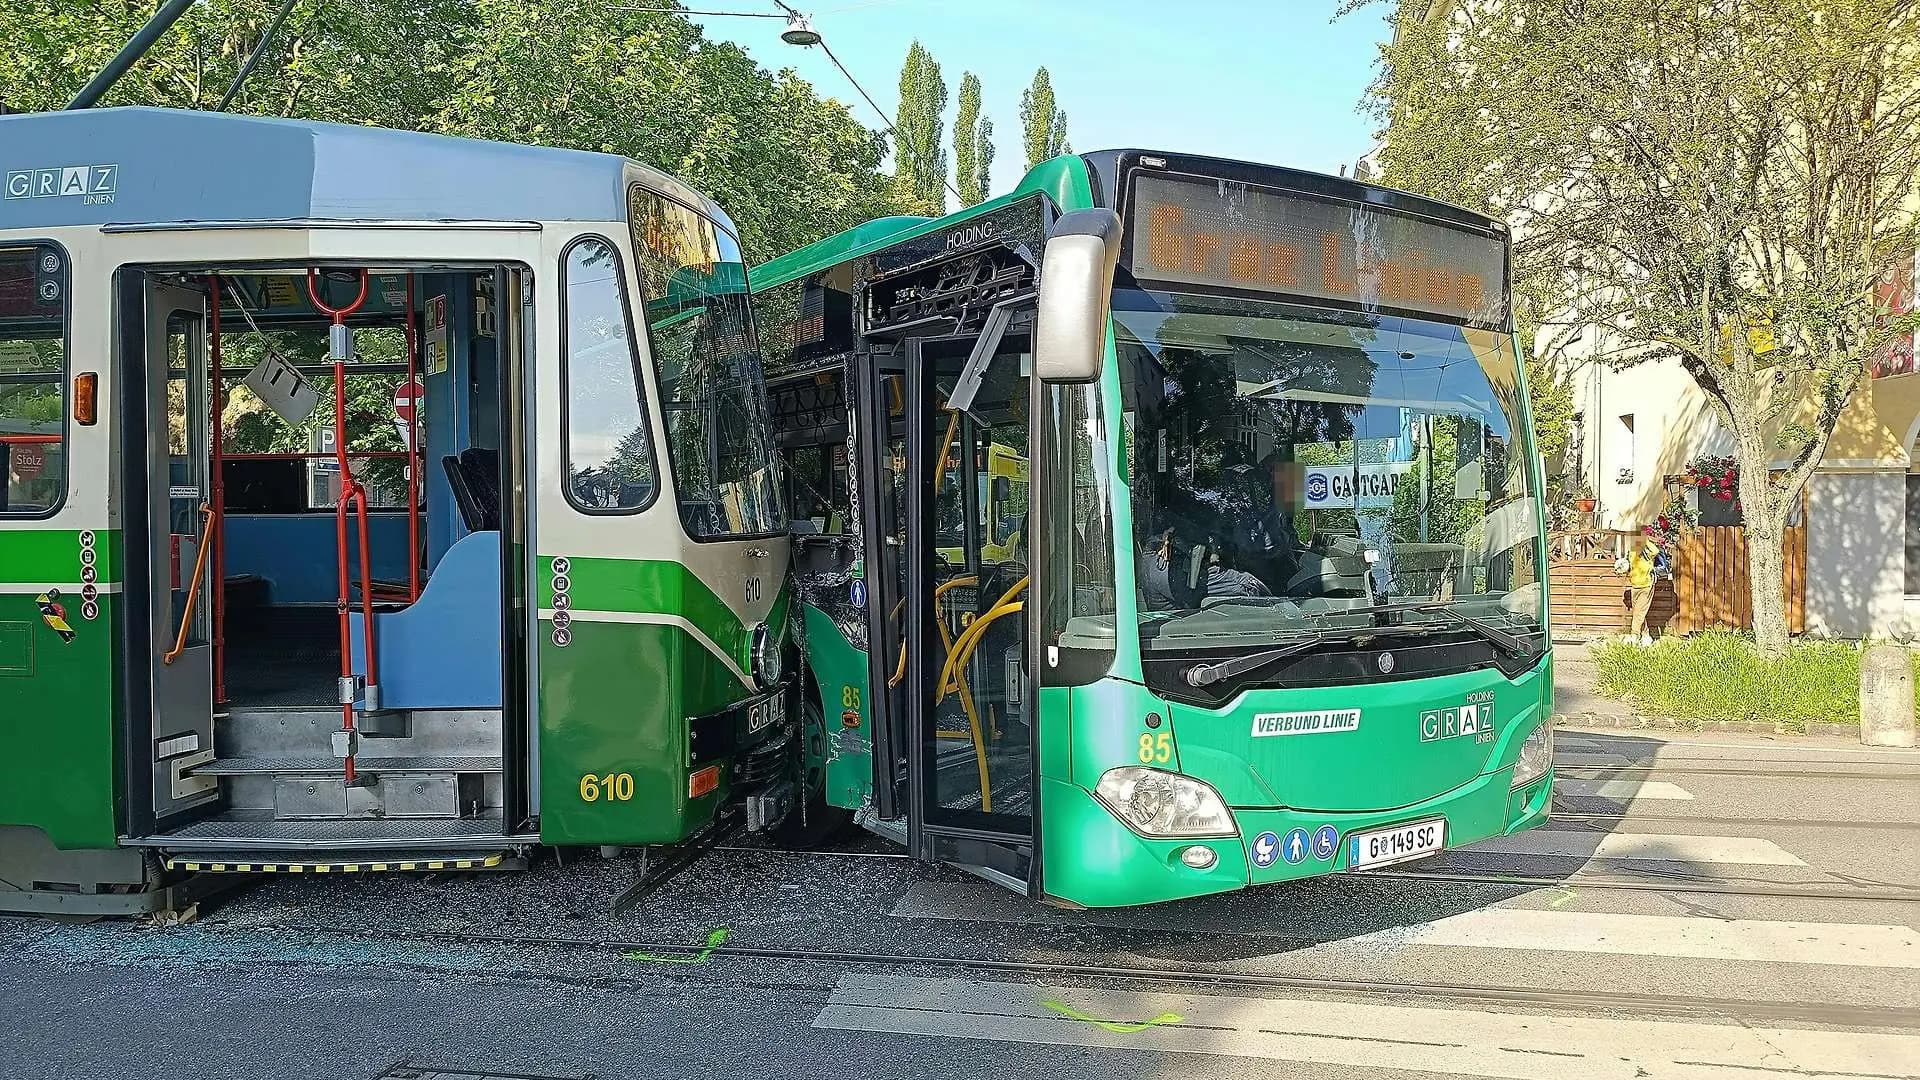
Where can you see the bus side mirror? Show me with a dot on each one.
(1076, 286)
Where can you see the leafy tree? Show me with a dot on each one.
(1718, 183)
(1042, 122)
(790, 165)
(1551, 399)
(972, 144)
(920, 163)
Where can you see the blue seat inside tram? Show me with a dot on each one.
(428, 650)
(291, 555)
(441, 651)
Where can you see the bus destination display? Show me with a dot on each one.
(1230, 235)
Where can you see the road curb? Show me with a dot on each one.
(1636, 721)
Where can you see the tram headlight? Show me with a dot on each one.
(1536, 755)
(766, 658)
(1157, 803)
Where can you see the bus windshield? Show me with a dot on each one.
(1296, 469)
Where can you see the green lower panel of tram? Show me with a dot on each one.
(645, 732)
(56, 688)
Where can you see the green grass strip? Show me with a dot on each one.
(1719, 676)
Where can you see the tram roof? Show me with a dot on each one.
(139, 165)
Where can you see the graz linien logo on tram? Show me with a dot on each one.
(96, 185)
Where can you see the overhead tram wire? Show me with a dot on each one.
(899, 143)
(790, 13)
(691, 11)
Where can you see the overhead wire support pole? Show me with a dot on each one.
(130, 53)
(246, 69)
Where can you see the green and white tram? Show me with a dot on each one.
(373, 500)
(1274, 606)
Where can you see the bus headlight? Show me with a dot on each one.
(766, 657)
(1536, 754)
(1157, 803)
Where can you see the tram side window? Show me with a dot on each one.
(609, 455)
(33, 361)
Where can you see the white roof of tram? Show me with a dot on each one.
(128, 166)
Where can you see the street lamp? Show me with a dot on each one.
(799, 30)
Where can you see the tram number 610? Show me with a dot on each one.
(613, 787)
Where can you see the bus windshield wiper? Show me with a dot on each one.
(1208, 674)
(1506, 639)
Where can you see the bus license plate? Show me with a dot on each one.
(1382, 847)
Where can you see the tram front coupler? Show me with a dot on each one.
(766, 809)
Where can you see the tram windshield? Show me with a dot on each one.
(719, 437)
(1298, 468)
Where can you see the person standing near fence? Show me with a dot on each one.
(1640, 565)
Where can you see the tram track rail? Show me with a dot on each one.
(1667, 883)
(1618, 817)
(1453, 995)
(1908, 773)
(1674, 884)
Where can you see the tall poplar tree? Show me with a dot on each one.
(972, 144)
(920, 161)
(1043, 122)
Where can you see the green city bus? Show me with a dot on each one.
(1276, 604)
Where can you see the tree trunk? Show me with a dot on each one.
(1766, 573)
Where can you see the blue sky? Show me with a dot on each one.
(1273, 81)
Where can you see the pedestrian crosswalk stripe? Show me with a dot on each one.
(1624, 790)
(1639, 847)
(1514, 1045)
(1674, 936)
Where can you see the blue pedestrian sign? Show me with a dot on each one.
(1294, 847)
(1266, 848)
(1326, 841)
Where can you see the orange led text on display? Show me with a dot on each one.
(1325, 266)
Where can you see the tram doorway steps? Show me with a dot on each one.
(279, 765)
(254, 833)
(359, 862)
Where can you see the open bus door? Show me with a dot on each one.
(952, 702)
(169, 500)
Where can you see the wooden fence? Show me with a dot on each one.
(1709, 589)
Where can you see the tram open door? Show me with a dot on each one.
(960, 602)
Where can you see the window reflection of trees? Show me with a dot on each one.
(609, 456)
(719, 434)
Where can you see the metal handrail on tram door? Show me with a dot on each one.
(339, 351)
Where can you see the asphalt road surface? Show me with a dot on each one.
(1720, 908)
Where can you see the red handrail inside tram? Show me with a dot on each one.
(351, 492)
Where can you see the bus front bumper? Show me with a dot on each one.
(1093, 860)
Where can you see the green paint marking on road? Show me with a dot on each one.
(714, 940)
(1564, 897)
(1071, 1013)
